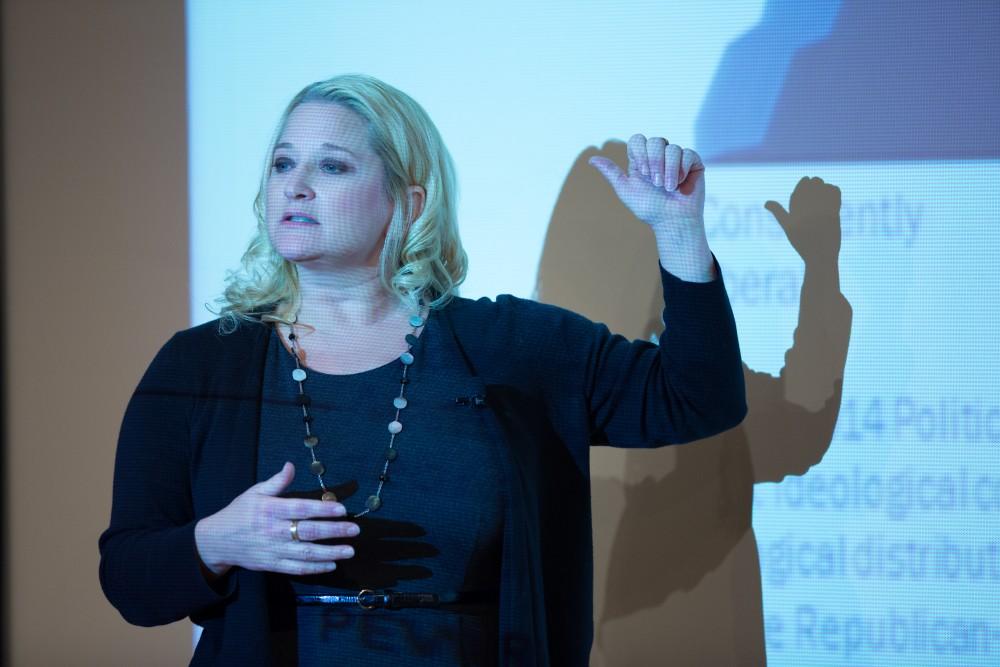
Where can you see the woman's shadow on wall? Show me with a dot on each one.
(676, 569)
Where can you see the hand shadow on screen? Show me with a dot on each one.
(676, 565)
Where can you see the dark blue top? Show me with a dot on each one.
(438, 529)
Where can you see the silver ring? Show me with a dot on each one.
(294, 529)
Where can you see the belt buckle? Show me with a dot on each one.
(362, 604)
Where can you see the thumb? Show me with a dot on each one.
(779, 213)
(277, 483)
(611, 171)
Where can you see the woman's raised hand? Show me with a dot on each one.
(665, 183)
(253, 532)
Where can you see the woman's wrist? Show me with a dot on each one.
(684, 252)
(212, 567)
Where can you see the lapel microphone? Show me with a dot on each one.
(476, 401)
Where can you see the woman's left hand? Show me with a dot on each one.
(665, 184)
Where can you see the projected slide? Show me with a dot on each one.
(852, 169)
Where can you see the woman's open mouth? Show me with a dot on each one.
(296, 219)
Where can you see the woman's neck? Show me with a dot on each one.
(354, 299)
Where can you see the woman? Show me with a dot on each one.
(355, 464)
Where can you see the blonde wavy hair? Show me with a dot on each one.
(429, 263)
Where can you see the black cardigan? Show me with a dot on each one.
(554, 382)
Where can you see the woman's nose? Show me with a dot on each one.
(298, 187)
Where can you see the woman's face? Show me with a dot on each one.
(326, 201)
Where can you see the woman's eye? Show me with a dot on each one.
(334, 165)
(282, 164)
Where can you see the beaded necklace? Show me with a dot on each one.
(311, 440)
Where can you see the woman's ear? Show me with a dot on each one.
(416, 196)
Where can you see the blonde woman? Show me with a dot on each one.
(355, 465)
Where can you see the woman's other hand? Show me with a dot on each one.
(665, 188)
(664, 184)
(253, 532)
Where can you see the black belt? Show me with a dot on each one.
(390, 599)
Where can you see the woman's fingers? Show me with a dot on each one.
(636, 149)
(663, 163)
(302, 567)
(690, 162)
(655, 149)
(310, 551)
(673, 168)
(302, 508)
(316, 531)
(277, 482)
